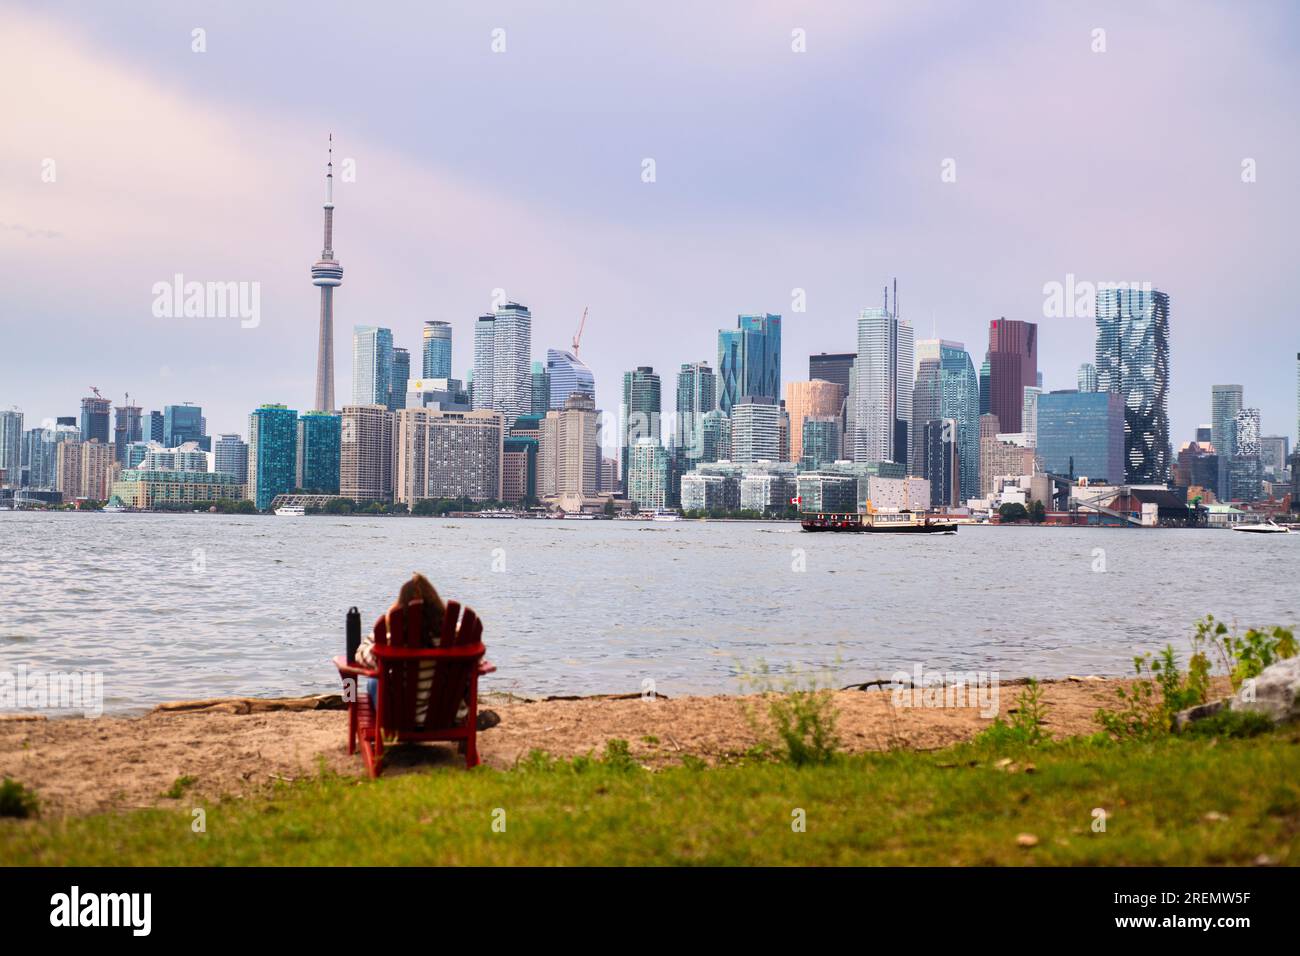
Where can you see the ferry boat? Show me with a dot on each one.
(662, 514)
(290, 511)
(878, 522)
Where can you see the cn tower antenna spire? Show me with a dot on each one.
(328, 275)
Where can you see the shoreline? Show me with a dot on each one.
(233, 747)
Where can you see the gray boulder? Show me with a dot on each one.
(1275, 692)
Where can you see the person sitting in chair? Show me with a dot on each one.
(419, 588)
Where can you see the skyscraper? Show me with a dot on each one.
(372, 365)
(316, 463)
(401, 375)
(512, 348)
(272, 446)
(437, 350)
(1087, 377)
(815, 399)
(820, 442)
(697, 395)
(1225, 403)
(568, 453)
(883, 379)
(503, 345)
(1133, 359)
(1013, 365)
(94, 418)
(749, 360)
(948, 388)
(566, 374)
(832, 367)
(639, 413)
(327, 274)
(153, 427)
(126, 428)
(484, 359)
(182, 423)
(984, 375)
(541, 390)
(11, 447)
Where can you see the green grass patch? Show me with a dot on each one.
(1169, 801)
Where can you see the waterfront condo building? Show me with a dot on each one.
(1133, 359)
(820, 443)
(541, 389)
(316, 462)
(366, 452)
(127, 428)
(449, 455)
(230, 457)
(1225, 403)
(648, 477)
(401, 377)
(755, 430)
(147, 488)
(85, 469)
(272, 453)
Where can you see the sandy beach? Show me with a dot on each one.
(240, 746)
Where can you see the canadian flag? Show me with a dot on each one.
(797, 500)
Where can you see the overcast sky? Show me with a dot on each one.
(775, 170)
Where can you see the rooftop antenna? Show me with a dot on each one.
(895, 296)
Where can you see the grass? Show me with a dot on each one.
(1171, 801)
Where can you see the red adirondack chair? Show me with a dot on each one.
(399, 649)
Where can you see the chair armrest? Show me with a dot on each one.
(353, 670)
(460, 652)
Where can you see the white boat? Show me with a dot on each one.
(290, 511)
(1263, 527)
(579, 516)
(662, 515)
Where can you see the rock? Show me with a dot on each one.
(1275, 692)
(1026, 840)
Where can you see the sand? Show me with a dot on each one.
(234, 748)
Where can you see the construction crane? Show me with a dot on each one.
(577, 336)
(96, 391)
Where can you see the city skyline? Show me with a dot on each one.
(113, 338)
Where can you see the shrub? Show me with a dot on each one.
(1025, 726)
(803, 716)
(1245, 656)
(1230, 723)
(16, 800)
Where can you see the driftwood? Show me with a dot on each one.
(632, 696)
(251, 705)
(883, 682)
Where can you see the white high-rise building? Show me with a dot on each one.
(503, 349)
(882, 388)
(1029, 415)
(484, 359)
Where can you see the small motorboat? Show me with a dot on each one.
(1262, 527)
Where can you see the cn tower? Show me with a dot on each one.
(327, 274)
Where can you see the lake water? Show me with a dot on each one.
(181, 606)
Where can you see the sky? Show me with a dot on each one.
(128, 157)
